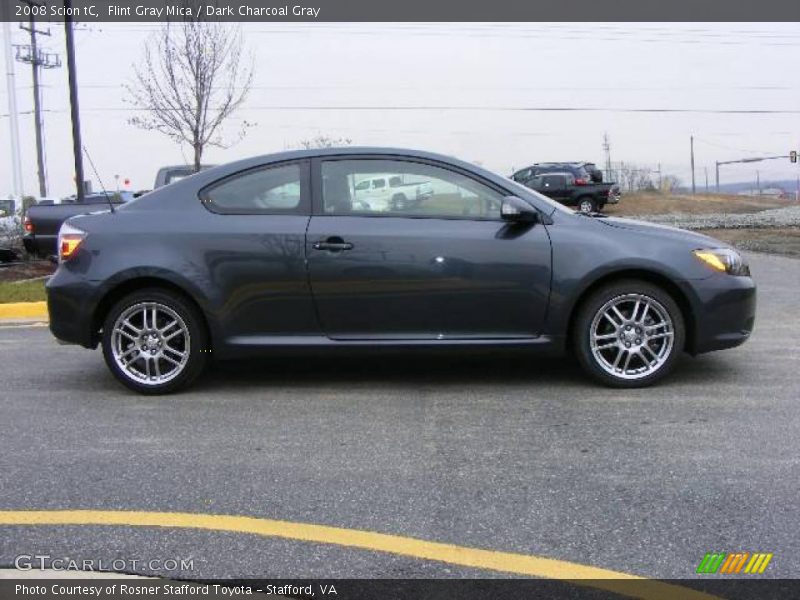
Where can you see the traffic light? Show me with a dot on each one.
(793, 156)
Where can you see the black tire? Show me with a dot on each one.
(197, 340)
(399, 202)
(598, 364)
(586, 204)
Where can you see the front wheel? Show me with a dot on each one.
(155, 342)
(629, 334)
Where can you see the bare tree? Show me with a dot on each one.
(324, 141)
(192, 79)
(670, 183)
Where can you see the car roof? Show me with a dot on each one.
(210, 175)
(174, 195)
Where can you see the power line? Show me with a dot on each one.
(732, 111)
(505, 88)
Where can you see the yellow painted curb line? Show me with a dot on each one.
(506, 562)
(24, 310)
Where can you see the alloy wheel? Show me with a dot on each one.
(150, 343)
(632, 336)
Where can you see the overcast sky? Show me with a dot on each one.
(489, 67)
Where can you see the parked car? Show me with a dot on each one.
(173, 173)
(42, 225)
(43, 220)
(590, 192)
(561, 187)
(579, 170)
(206, 267)
(389, 193)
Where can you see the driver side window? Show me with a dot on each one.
(396, 188)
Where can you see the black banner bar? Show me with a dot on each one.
(741, 588)
(127, 11)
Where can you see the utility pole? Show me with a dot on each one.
(607, 150)
(717, 166)
(691, 146)
(13, 117)
(77, 145)
(758, 182)
(37, 59)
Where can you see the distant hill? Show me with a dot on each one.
(788, 185)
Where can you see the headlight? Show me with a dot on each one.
(723, 260)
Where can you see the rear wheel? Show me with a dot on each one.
(399, 202)
(154, 341)
(629, 334)
(587, 205)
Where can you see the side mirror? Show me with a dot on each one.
(518, 211)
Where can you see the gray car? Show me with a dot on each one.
(272, 254)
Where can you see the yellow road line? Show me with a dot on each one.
(23, 310)
(506, 562)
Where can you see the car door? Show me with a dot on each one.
(554, 186)
(446, 268)
(254, 250)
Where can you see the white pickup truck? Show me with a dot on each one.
(388, 193)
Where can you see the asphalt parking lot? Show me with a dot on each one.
(504, 453)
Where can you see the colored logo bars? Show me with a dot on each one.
(734, 562)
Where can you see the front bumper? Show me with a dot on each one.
(723, 311)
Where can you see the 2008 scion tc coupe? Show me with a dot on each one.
(382, 247)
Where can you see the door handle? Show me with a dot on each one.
(333, 244)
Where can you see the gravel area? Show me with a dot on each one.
(788, 216)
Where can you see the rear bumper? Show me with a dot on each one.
(40, 245)
(71, 308)
(724, 312)
(29, 243)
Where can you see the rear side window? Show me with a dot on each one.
(522, 175)
(554, 181)
(270, 190)
(581, 173)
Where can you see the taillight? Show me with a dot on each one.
(581, 182)
(27, 224)
(69, 240)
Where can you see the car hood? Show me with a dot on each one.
(664, 231)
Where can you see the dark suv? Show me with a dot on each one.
(562, 187)
(576, 184)
(583, 172)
